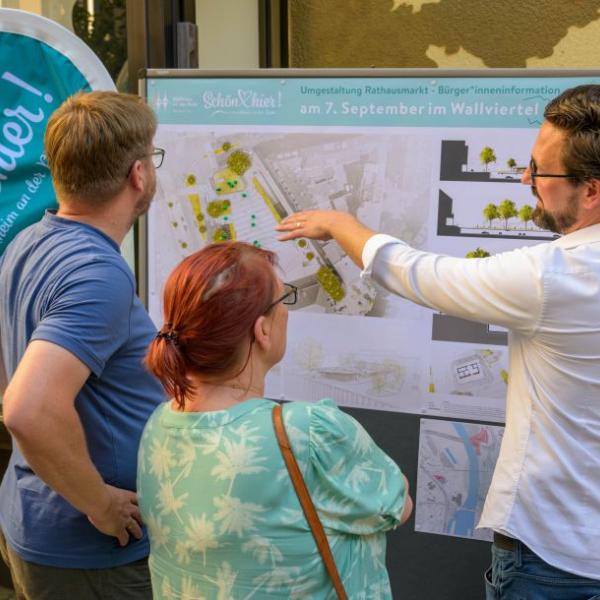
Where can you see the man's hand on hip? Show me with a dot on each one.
(119, 516)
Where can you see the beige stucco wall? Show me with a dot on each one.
(227, 34)
(445, 33)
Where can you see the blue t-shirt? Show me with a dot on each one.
(66, 282)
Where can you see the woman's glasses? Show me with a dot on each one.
(289, 296)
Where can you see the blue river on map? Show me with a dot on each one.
(462, 521)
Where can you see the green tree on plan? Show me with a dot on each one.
(239, 162)
(490, 213)
(507, 210)
(477, 253)
(526, 214)
(487, 156)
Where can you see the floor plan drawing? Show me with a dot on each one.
(469, 370)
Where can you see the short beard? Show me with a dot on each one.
(143, 204)
(544, 220)
(557, 222)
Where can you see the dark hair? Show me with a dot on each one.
(211, 302)
(577, 112)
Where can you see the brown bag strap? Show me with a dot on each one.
(307, 504)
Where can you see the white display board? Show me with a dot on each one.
(415, 154)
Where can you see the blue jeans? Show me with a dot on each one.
(520, 574)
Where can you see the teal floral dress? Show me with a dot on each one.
(223, 517)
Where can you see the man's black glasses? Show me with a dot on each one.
(289, 296)
(158, 155)
(534, 173)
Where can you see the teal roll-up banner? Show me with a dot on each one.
(41, 64)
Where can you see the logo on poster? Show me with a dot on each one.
(241, 101)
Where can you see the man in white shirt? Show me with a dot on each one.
(544, 500)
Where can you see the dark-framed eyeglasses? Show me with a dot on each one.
(289, 296)
(157, 155)
(533, 172)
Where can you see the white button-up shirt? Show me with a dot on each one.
(546, 486)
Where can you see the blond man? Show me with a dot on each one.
(73, 334)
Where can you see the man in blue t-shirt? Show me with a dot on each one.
(73, 336)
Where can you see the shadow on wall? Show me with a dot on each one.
(444, 33)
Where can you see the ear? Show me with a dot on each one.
(137, 177)
(262, 332)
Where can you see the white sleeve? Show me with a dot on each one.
(505, 289)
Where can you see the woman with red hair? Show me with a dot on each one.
(223, 517)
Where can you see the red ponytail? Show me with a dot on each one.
(211, 302)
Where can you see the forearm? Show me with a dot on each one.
(54, 445)
(351, 235)
(408, 504)
(39, 411)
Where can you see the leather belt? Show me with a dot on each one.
(508, 543)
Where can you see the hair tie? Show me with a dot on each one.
(170, 334)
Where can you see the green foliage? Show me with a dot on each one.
(105, 31)
(477, 253)
(223, 234)
(511, 163)
(487, 156)
(526, 213)
(239, 162)
(226, 146)
(331, 283)
(490, 212)
(507, 210)
(218, 208)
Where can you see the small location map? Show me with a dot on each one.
(456, 463)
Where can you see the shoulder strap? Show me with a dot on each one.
(307, 504)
